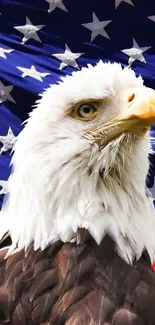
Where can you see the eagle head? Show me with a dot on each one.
(81, 162)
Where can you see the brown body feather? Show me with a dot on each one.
(72, 284)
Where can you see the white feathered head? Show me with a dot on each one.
(82, 160)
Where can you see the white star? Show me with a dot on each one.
(117, 2)
(152, 18)
(29, 31)
(136, 53)
(33, 73)
(56, 4)
(3, 51)
(4, 185)
(5, 93)
(8, 141)
(68, 58)
(97, 27)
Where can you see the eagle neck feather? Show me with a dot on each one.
(52, 194)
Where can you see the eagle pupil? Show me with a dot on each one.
(87, 109)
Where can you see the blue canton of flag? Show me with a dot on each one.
(41, 40)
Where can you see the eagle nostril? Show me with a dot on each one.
(131, 98)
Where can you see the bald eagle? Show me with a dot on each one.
(82, 228)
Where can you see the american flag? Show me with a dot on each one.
(41, 40)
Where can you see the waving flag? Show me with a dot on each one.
(41, 40)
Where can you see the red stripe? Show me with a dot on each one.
(153, 266)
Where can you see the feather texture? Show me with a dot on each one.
(85, 284)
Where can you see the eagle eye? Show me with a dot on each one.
(85, 112)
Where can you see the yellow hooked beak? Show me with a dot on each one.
(140, 103)
(137, 112)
